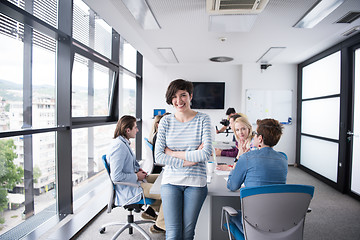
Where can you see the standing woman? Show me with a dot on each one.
(183, 145)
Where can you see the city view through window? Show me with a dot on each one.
(28, 101)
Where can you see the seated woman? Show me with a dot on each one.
(153, 137)
(262, 167)
(243, 133)
(125, 168)
(233, 151)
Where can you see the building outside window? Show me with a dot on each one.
(29, 109)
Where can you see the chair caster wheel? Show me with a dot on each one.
(102, 230)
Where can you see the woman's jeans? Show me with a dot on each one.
(181, 206)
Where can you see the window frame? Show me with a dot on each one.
(66, 49)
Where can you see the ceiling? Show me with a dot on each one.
(184, 28)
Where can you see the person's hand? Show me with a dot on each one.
(201, 146)
(224, 167)
(217, 131)
(218, 151)
(243, 148)
(188, 163)
(141, 175)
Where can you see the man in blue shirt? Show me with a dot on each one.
(260, 167)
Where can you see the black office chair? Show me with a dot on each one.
(156, 168)
(136, 207)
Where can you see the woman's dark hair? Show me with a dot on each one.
(230, 111)
(270, 130)
(124, 122)
(176, 85)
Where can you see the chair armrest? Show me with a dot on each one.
(127, 184)
(225, 213)
(231, 211)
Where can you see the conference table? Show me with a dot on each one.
(208, 225)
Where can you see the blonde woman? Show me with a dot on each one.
(154, 130)
(152, 140)
(243, 135)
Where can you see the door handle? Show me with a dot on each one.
(350, 133)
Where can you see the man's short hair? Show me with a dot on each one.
(230, 111)
(270, 130)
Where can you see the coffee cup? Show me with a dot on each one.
(210, 166)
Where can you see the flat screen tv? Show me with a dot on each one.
(208, 95)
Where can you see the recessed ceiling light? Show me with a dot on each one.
(142, 13)
(318, 12)
(351, 31)
(221, 59)
(168, 54)
(270, 54)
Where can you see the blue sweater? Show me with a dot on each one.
(260, 167)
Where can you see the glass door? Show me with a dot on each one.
(355, 135)
(320, 116)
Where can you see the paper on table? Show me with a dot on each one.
(242, 185)
(220, 172)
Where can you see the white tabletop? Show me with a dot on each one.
(223, 144)
(217, 186)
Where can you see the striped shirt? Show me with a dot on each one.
(184, 136)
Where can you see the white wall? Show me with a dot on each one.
(237, 79)
(156, 80)
(276, 77)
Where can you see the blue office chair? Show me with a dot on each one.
(156, 168)
(136, 207)
(269, 212)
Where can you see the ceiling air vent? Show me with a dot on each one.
(349, 17)
(235, 6)
(221, 59)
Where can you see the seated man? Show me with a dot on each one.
(262, 167)
(125, 168)
(229, 112)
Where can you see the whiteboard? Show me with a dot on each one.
(275, 104)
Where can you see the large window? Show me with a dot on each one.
(328, 129)
(42, 76)
(90, 29)
(320, 116)
(128, 56)
(128, 94)
(91, 88)
(27, 93)
(89, 144)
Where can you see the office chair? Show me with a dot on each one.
(270, 212)
(136, 207)
(156, 168)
